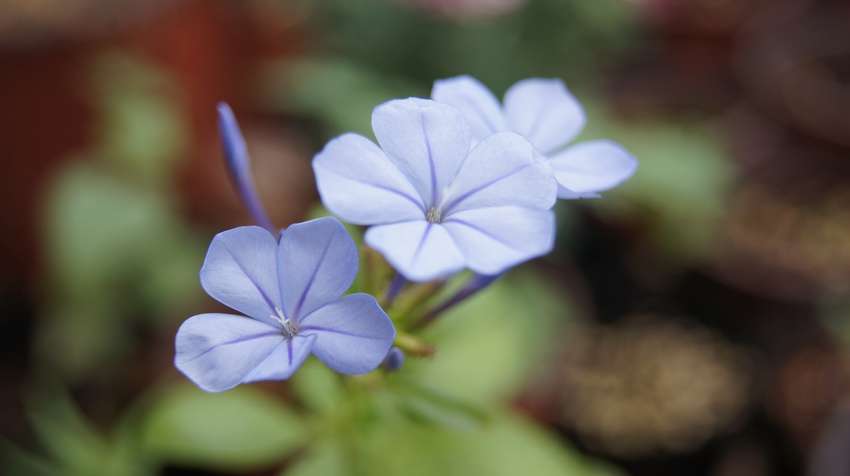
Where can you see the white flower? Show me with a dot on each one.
(436, 204)
(544, 112)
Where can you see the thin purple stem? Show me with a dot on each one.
(395, 287)
(238, 164)
(476, 284)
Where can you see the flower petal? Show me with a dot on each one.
(427, 140)
(318, 262)
(593, 166)
(419, 250)
(218, 351)
(481, 109)
(504, 169)
(353, 334)
(238, 163)
(360, 184)
(284, 360)
(544, 112)
(494, 239)
(239, 271)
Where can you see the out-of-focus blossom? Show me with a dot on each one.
(648, 385)
(291, 290)
(437, 206)
(547, 114)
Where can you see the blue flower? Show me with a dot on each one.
(291, 290)
(544, 112)
(437, 204)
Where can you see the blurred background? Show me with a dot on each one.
(695, 321)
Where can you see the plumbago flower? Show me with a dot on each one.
(291, 290)
(544, 112)
(436, 204)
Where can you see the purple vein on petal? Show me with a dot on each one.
(447, 209)
(338, 331)
(401, 194)
(431, 165)
(236, 341)
(421, 244)
(263, 294)
(478, 112)
(309, 285)
(289, 350)
(480, 230)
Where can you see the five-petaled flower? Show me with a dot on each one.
(437, 204)
(544, 112)
(291, 290)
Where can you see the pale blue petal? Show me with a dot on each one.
(283, 361)
(318, 262)
(218, 351)
(419, 250)
(425, 139)
(359, 184)
(593, 166)
(240, 271)
(495, 239)
(543, 111)
(481, 109)
(353, 334)
(504, 169)
(567, 194)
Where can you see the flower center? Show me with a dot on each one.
(289, 327)
(434, 215)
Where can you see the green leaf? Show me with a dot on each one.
(322, 459)
(317, 387)
(427, 406)
(508, 445)
(73, 445)
(239, 429)
(488, 347)
(142, 132)
(17, 462)
(116, 251)
(680, 188)
(312, 87)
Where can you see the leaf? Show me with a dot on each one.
(427, 406)
(317, 387)
(680, 187)
(489, 346)
(322, 459)
(239, 429)
(17, 462)
(312, 87)
(115, 251)
(72, 444)
(142, 132)
(508, 445)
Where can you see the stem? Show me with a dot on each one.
(238, 164)
(412, 298)
(412, 345)
(394, 288)
(475, 284)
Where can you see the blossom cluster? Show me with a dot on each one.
(458, 181)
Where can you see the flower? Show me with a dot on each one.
(437, 206)
(291, 290)
(544, 112)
